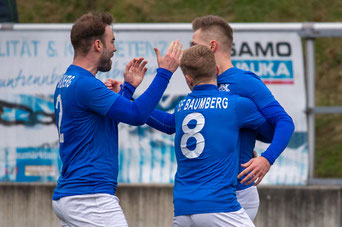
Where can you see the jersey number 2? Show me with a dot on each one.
(59, 103)
(193, 132)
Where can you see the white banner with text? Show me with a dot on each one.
(32, 62)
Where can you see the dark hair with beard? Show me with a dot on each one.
(88, 28)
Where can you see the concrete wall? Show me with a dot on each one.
(29, 205)
(313, 206)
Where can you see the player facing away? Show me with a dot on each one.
(207, 123)
(215, 33)
(87, 115)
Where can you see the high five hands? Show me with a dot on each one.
(135, 69)
(172, 58)
(134, 74)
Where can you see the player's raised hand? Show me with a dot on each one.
(256, 169)
(171, 60)
(135, 71)
(113, 85)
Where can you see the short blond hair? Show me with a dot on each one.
(214, 27)
(198, 62)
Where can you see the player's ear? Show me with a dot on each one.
(98, 45)
(213, 45)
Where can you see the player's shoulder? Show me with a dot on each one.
(86, 81)
(185, 98)
(189, 95)
(233, 99)
(249, 83)
(80, 73)
(237, 98)
(239, 77)
(244, 105)
(245, 75)
(239, 105)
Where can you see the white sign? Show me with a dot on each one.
(33, 61)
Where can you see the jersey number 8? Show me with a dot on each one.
(193, 132)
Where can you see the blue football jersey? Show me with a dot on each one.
(245, 84)
(88, 140)
(207, 149)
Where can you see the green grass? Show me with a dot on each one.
(328, 50)
(328, 145)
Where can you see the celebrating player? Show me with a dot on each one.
(215, 33)
(87, 115)
(207, 124)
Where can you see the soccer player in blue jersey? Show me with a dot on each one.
(87, 115)
(215, 33)
(207, 123)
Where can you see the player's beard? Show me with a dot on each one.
(105, 63)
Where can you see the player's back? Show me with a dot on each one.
(207, 151)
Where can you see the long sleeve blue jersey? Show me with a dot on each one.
(87, 114)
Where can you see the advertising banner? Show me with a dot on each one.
(32, 62)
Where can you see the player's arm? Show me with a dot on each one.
(94, 95)
(263, 139)
(275, 115)
(159, 120)
(137, 112)
(162, 121)
(248, 116)
(284, 128)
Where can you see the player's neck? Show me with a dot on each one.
(86, 63)
(224, 62)
(212, 81)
